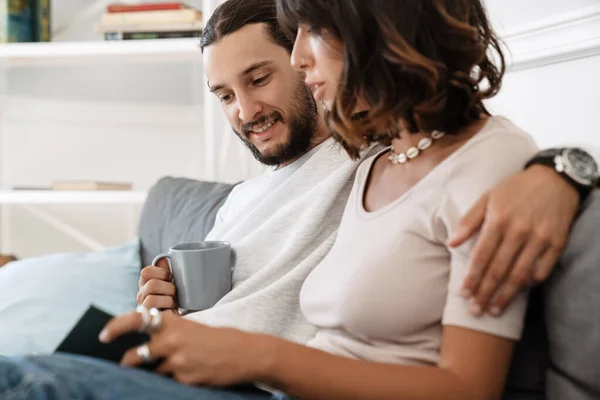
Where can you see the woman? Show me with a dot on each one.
(392, 323)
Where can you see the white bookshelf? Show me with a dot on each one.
(75, 54)
(72, 197)
(92, 52)
(106, 116)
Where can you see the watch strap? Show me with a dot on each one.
(546, 157)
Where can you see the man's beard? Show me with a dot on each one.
(302, 126)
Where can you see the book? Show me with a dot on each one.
(41, 27)
(118, 8)
(31, 188)
(90, 185)
(15, 21)
(185, 15)
(151, 27)
(82, 339)
(150, 35)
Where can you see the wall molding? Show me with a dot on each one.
(565, 37)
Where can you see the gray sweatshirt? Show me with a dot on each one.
(281, 225)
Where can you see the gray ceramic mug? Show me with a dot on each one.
(202, 272)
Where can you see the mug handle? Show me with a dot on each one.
(161, 256)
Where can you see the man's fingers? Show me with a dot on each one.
(546, 263)
(496, 273)
(160, 302)
(482, 253)
(155, 286)
(163, 263)
(154, 272)
(470, 223)
(157, 293)
(519, 277)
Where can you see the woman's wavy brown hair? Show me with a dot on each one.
(421, 65)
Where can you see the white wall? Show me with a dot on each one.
(508, 14)
(553, 87)
(557, 104)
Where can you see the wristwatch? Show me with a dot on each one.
(578, 167)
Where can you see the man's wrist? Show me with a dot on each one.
(575, 166)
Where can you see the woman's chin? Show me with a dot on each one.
(328, 104)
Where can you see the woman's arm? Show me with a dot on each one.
(473, 365)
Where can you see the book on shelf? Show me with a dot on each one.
(150, 21)
(41, 21)
(31, 188)
(90, 185)
(77, 185)
(152, 27)
(118, 8)
(157, 17)
(15, 21)
(150, 35)
(24, 21)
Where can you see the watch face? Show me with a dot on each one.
(583, 164)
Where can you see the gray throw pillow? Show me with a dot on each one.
(178, 210)
(573, 313)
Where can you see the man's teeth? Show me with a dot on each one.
(264, 128)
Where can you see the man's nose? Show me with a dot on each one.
(249, 108)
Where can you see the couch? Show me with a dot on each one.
(559, 354)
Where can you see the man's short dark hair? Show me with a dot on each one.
(233, 15)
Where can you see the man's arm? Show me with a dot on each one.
(523, 225)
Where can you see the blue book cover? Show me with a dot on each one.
(16, 21)
(40, 20)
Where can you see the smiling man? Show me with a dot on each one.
(269, 107)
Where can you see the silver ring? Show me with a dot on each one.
(146, 318)
(155, 320)
(144, 352)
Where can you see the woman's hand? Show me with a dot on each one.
(196, 354)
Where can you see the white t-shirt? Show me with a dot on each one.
(390, 283)
(280, 225)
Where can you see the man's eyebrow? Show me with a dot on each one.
(245, 72)
(214, 88)
(255, 66)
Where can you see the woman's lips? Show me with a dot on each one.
(317, 88)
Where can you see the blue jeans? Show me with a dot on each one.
(62, 376)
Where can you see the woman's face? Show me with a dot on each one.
(319, 56)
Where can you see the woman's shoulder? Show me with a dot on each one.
(499, 145)
(499, 129)
(500, 149)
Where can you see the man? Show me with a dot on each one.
(283, 223)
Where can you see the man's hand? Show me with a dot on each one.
(156, 287)
(525, 222)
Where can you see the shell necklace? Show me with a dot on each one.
(425, 143)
